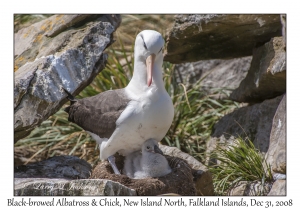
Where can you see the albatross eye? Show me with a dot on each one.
(145, 46)
(144, 42)
(148, 147)
(159, 50)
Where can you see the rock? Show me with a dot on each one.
(278, 188)
(202, 37)
(202, 177)
(277, 176)
(254, 122)
(25, 20)
(267, 75)
(254, 188)
(239, 189)
(276, 155)
(63, 175)
(67, 31)
(283, 23)
(64, 187)
(67, 167)
(179, 181)
(62, 51)
(214, 73)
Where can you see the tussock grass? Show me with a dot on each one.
(56, 136)
(240, 161)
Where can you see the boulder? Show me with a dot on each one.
(278, 188)
(65, 187)
(25, 20)
(202, 37)
(63, 175)
(67, 167)
(62, 51)
(214, 73)
(267, 75)
(276, 155)
(283, 23)
(254, 122)
(254, 188)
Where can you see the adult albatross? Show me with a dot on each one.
(122, 120)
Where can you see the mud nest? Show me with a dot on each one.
(179, 181)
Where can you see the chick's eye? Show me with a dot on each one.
(148, 147)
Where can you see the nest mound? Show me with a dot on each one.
(179, 181)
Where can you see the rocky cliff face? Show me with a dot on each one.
(202, 37)
(62, 51)
(198, 38)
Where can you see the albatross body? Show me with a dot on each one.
(122, 120)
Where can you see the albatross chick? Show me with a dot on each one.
(149, 162)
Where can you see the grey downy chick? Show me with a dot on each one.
(149, 162)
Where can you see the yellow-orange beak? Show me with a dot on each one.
(149, 63)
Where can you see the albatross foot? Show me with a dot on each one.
(111, 160)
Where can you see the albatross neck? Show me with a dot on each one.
(138, 83)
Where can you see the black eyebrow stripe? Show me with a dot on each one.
(160, 50)
(144, 42)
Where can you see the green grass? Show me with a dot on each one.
(238, 162)
(56, 136)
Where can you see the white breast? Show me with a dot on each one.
(145, 117)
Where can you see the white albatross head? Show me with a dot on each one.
(148, 55)
(148, 47)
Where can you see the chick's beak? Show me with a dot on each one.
(149, 63)
(157, 150)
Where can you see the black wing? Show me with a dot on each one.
(98, 114)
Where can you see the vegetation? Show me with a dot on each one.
(240, 161)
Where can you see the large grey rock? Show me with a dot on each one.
(214, 73)
(64, 187)
(63, 51)
(67, 167)
(254, 188)
(278, 188)
(202, 176)
(63, 175)
(253, 121)
(276, 155)
(25, 20)
(267, 75)
(201, 37)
